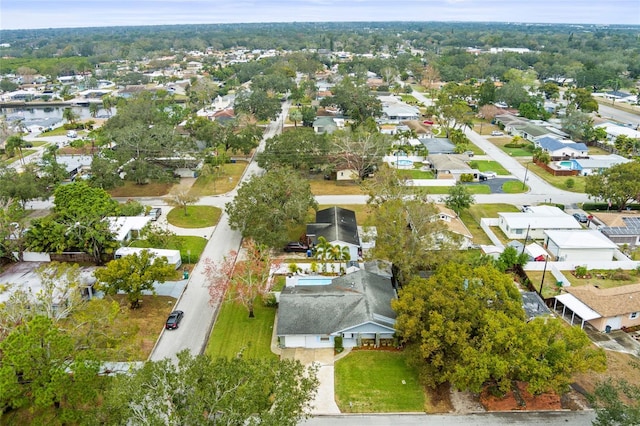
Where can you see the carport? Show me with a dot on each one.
(576, 307)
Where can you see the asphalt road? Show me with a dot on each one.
(625, 117)
(196, 302)
(568, 418)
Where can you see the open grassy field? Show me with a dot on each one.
(235, 332)
(559, 181)
(131, 189)
(319, 186)
(196, 216)
(224, 182)
(377, 382)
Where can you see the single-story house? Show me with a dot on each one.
(75, 165)
(339, 227)
(535, 221)
(356, 306)
(619, 228)
(395, 109)
(605, 309)
(326, 124)
(173, 256)
(126, 227)
(560, 149)
(596, 164)
(438, 145)
(533, 305)
(579, 246)
(614, 130)
(455, 225)
(451, 165)
(617, 95)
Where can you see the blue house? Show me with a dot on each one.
(559, 149)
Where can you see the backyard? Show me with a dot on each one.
(559, 181)
(599, 278)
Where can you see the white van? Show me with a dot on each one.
(72, 134)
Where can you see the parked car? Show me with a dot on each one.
(155, 213)
(469, 153)
(581, 217)
(174, 320)
(428, 122)
(72, 134)
(496, 133)
(296, 246)
(489, 174)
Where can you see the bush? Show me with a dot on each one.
(581, 271)
(269, 300)
(466, 177)
(570, 183)
(337, 341)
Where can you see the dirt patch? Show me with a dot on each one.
(520, 399)
(439, 399)
(620, 366)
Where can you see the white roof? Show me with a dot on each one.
(585, 239)
(534, 250)
(579, 308)
(616, 130)
(121, 225)
(540, 219)
(601, 161)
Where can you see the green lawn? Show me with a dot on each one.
(489, 165)
(377, 382)
(514, 187)
(196, 217)
(559, 181)
(224, 182)
(415, 174)
(602, 279)
(190, 247)
(473, 189)
(479, 236)
(478, 211)
(234, 332)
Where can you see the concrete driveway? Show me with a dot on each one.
(324, 402)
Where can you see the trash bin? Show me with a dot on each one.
(309, 253)
(607, 329)
(185, 274)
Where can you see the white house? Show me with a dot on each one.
(535, 220)
(173, 256)
(615, 130)
(125, 227)
(356, 306)
(579, 246)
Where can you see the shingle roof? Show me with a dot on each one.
(335, 224)
(551, 144)
(348, 301)
(609, 302)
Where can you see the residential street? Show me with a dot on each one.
(199, 313)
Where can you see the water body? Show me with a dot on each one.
(48, 116)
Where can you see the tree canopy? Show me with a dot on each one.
(619, 184)
(266, 205)
(199, 390)
(465, 325)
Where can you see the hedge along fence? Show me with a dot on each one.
(605, 207)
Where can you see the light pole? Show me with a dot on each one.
(526, 172)
(189, 257)
(544, 271)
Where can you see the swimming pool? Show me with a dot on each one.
(565, 164)
(314, 281)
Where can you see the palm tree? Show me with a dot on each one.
(69, 115)
(15, 142)
(323, 248)
(93, 109)
(339, 253)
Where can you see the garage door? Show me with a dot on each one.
(294, 341)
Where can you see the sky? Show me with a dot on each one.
(26, 14)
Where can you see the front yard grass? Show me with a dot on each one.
(319, 186)
(190, 247)
(377, 382)
(131, 189)
(415, 174)
(514, 187)
(478, 211)
(234, 332)
(559, 182)
(502, 141)
(473, 189)
(479, 236)
(224, 182)
(196, 217)
(489, 165)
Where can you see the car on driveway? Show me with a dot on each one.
(581, 217)
(296, 246)
(469, 153)
(489, 174)
(173, 321)
(496, 133)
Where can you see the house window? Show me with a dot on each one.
(325, 339)
(633, 315)
(519, 231)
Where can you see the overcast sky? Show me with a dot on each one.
(21, 14)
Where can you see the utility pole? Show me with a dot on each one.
(544, 271)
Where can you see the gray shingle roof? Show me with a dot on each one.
(348, 301)
(335, 224)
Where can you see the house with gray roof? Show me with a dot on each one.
(338, 226)
(560, 149)
(356, 306)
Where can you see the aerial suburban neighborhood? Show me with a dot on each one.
(296, 224)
